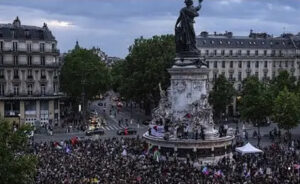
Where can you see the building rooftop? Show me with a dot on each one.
(254, 40)
(24, 32)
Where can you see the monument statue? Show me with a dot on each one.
(184, 29)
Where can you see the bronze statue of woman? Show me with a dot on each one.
(184, 29)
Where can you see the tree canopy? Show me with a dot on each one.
(17, 165)
(146, 65)
(221, 95)
(286, 109)
(83, 71)
(256, 101)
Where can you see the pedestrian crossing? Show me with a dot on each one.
(117, 127)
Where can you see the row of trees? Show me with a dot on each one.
(136, 78)
(259, 101)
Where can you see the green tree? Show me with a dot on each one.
(17, 165)
(283, 80)
(256, 102)
(84, 73)
(221, 95)
(144, 68)
(286, 109)
(117, 75)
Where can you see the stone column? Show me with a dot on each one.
(22, 112)
(2, 108)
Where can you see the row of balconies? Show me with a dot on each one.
(53, 65)
(251, 55)
(31, 52)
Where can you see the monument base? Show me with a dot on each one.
(198, 148)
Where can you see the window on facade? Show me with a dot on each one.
(248, 64)
(54, 87)
(292, 64)
(257, 64)
(29, 89)
(265, 52)
(266, 64)
(215, 52)
(28, 47)
(223, 64)
(216, 64)
(273, 75)
(280, 53)
(230, 76)
(1, 46)
(286, 64)
(1, 60)
(29, 60)
(43, 74)
(16, 60)
(43, 62)
(273, 52)
(15, 46)
(231, 64)
(43, 89)
(240, 64)
(1, 89)
(53, 47)
(231, 52)
(42, 47)
(16, 74)
(16, 90)
(256, 52)
(29, 74)
(215, 76)
(280, 64)
(240, 76)
(274, 64)
(248, 52)
(265, 75)
(256, 74)
(223, 52)
(248, 74)
(1, 74)
(207, 52)
(239, 52)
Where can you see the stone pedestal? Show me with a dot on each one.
(188, 84)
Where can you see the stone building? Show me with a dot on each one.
(260, 54)
(29, 69)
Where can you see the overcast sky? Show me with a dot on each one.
(113, 25)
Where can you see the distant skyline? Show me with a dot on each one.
(113, 25)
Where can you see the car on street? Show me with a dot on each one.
(96, 131)
(127, 131)
(100, 104)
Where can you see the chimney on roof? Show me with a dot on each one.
(215, 33)
(45, 26)
(204, 34)
(17, 22)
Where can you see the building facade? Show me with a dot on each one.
(259, 54)
(29, 70)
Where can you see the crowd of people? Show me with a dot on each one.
(126, 161)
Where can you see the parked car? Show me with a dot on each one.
(96, 131)
(100, 104)
(127, 131)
